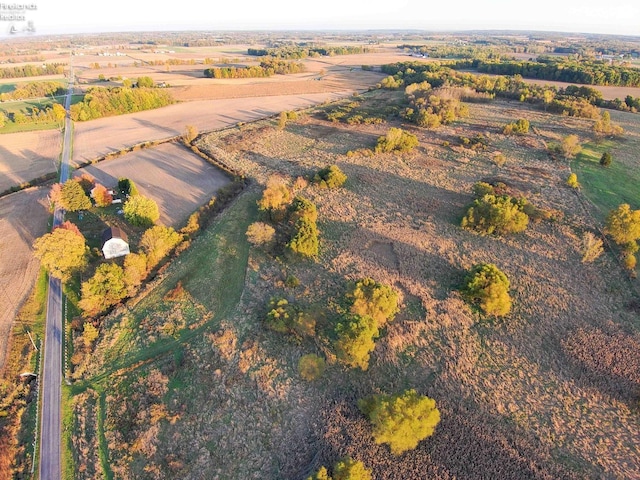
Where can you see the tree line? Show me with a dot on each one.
(34, 90)
(32, 70)
(267, 68)
(299, 51)
(105, 102)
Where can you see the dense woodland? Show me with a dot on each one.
(104, 102)
(32, 70)
(301, 51)
(267, 68)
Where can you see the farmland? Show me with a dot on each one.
(546, 392)
(177, 179)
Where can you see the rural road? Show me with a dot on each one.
(50, 425)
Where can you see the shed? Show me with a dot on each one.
(114, 243)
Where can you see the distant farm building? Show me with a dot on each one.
(114, 243)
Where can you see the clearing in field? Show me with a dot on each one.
(176, 178)
(189, 382)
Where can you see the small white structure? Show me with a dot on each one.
(114, 243)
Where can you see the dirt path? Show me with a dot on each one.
(23, 218)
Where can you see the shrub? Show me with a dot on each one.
(488, 287)
(275, 195)
(570, 146)
(373, 299)
(401, 420)
(630, 261)
(572, 181)
(190, 134)
(591, 247)
(520, 127)
(480, 189)
(284, 317)
(141, 211)
(499, 159)
(305, 240)
(355, 340)
(604, 126)
(496, 214)
(396, 140)
(302, 208)
(321, 474)
(606, 159)
(330, 177)
(350, 469)
(311, 367)
(260, 233)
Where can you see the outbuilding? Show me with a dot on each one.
(114, 243)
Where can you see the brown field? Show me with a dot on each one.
(176, 178)
(28, 155)
(549, 392)
(23, 218)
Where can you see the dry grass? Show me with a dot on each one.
(547, 392)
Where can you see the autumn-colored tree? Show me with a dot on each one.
(496, 214)
(570, 146)
(304, 241)
(72, 227)
(61, 252)
(396, 140)
(604, 126)
(144, 82)
(356, 336)
(623, 225)
(285, 317)
(101, 196)
(303, 208)
(105, 289)
(135, 271)
(572, 181)
(86, 181)
(73, 197)
(401, 420)
(349, 469)
(260, 233)
(276, 196)
(89, 334)
(374, 299)
(488, 287)
(141, 211)
(157, 242)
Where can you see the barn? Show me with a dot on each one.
(114, 243)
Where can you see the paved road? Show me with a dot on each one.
(50, 425)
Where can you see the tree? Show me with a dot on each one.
(355, 340)
(275, 196)
(398, 140)
(302, 208)
(260, 233)
(73, 197)
(89, 334)
(157, 242)
(350, 469)
(604, 126)
(330, 177)
(127, 187)
(101, 196)
(135, 271)
(623, 225)
(488, 286)
(570, 146)
(375, 300)
(61, 252)
(572, 181)
(105, 289)
(190, 134)
(145, 82)
(401, 420)
(520, 127)
(141, 211)
(72, 227)
(606, 159)
(496, 214)
(305, 240)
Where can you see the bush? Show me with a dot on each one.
(591, 247)
(496, 214)
(284, 317)
(480, 189)
(275, 195)
(350, 469)
(305, 240)
(330, 177)
(396, 140)
(606, 159)
(135, 271)
(157, 242)
(572, 181)
(570, 146)
(373, 299)
(301, 208)
(401, 420)
(355, 340)
(141, 211)
(311, 367)
(190, 133)
(260, 233)
(520, 127)
(630, 261)
(488, 287)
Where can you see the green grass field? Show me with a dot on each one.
(26, 107)
(7, 87)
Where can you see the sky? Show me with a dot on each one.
(621, 17)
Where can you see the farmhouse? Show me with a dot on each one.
(114, 243)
